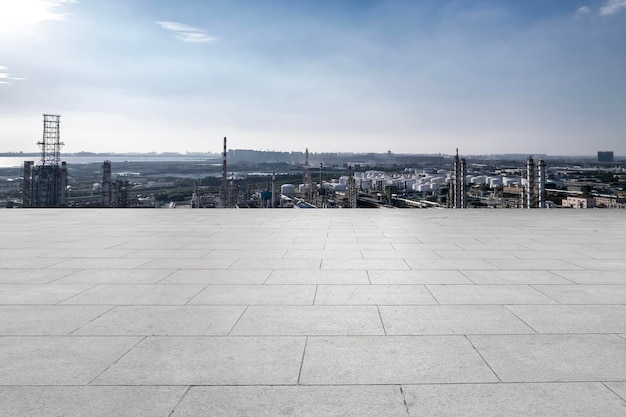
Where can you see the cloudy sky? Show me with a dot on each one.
(414, 76)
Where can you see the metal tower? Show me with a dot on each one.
(51, 142)
(530, 183)
(307, 183)
(48, 180)
(107, 191)
(224, 185)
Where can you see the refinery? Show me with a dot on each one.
(255, 179)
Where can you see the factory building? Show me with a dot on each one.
(45, 184)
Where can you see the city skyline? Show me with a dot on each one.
(424, 77)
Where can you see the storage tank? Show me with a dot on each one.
(288, 189)
(495, 182)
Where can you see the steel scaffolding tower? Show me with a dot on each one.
(51, 141)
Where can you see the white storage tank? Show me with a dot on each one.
(495, 182)
(288, 189)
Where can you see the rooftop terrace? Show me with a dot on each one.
(313, 313)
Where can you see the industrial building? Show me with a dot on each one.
(45, 184)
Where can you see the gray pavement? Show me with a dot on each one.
(313, 313)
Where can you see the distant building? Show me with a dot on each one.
(605, 156)
(579, 202)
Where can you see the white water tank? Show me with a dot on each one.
(288, 190)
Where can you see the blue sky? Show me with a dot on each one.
(486, 76)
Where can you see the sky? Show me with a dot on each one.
(410, 76)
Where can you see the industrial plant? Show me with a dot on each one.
(260, 179)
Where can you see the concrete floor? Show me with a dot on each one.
(313, 313)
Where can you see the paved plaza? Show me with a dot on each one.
(278, 312)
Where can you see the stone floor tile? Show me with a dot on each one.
(237, 254)
(600, 264)
(319, 276)
(46, 320)
(295, 401)
(6, 264)
(573, 318)
(32, 276)
(474, 254)
(364, 264)
(164, 321)
(399, 254)
(38, 294)
(372, 295)
(392, 360)
(488, 294)
(444, 320)
(594, 277)
(442, 264)
(618, 388)
(182, 263)
(513, 400)
(323, 254)
(140, 294)
(115, 276)
(397, 277)
(256, 295)
(58, 360)
(309, 320)
(287, 264)
(82, 401)
(167, 253)
(554, 358)
(514, 277)
(97, 263)
(533, 264)
(209, 361)
(217, 276)
(585, 294)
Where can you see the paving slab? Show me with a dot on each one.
(319, 276)
(46, 320)
(217, 276)
(122, 294)
(186, 263)
(554, 358)
(573, 318)
(392, 360)
(81, 401)
(29, 262)
(443, 264)
(397, 277)
(585, 294)
(38, 294)
(256, 295)
(164, 320)
(372, 295)
(58, 360)
(450, 319)
(292, 264)
(521, 277)
(115, 276)
(533, 264)
(513, 400)
(209, 361)
(364, 264)
(618, 388)
(594, 276)
(96, 263)
(32, 276)
(295, 401)
(309, 320)
(488, 294)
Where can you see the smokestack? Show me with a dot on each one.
(542, 183)
(273, 189)
(224, 187)
(530, 182)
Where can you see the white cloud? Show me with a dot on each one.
(612, 7)
(6, 76)
(583, 10)
(186, 33)
(16, 13)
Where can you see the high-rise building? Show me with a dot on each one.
(605, 156)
